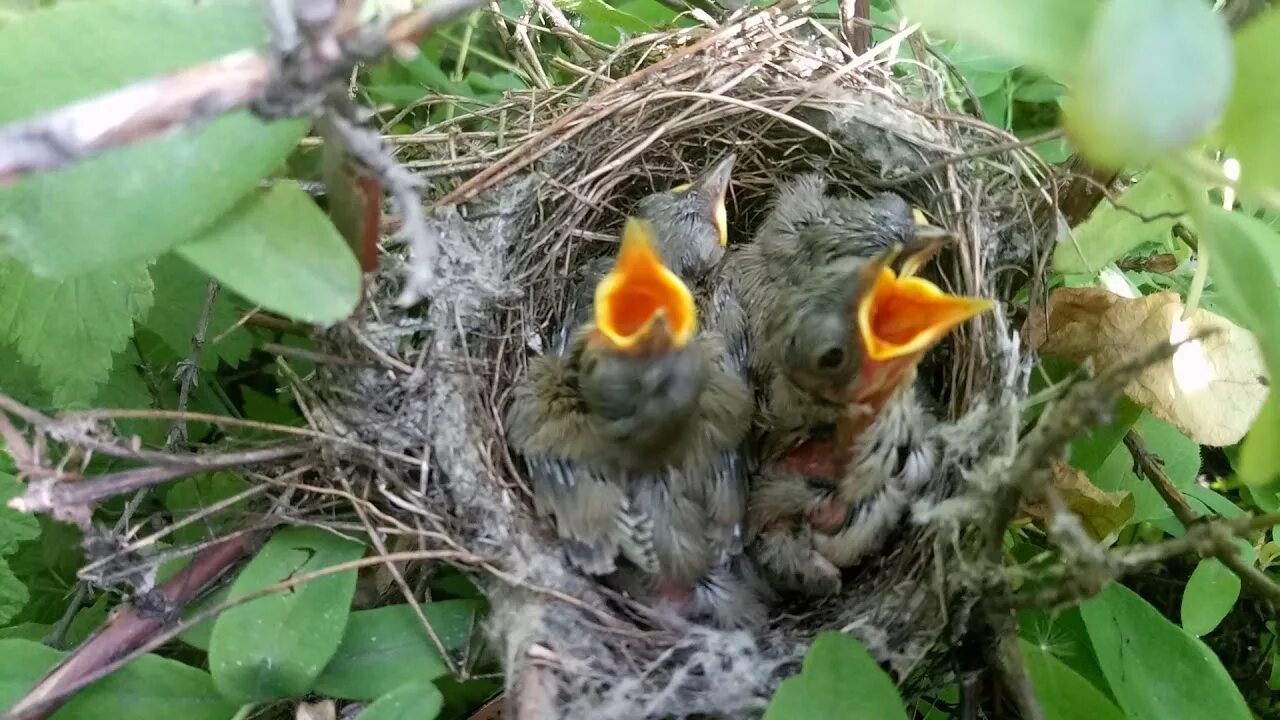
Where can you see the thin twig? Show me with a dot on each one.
(189, 97)
(1226, 552)
(189, 369)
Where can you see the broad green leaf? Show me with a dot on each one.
(15, 527)
(1063, 694)
(149, 688)
(137, 202)
(200, 635)
(1039, 90)
(69, 329)
(414, 701)
(279, 250)
(13, 593)
(35, 632)
(275, 646)
(48, 566)
(193, 495)
(1259, 461)
(1179, 456)
(88, 620)
(1153, 76)
(1116, 475)
(1244, 271)
(1110, 232)
(1091, 451)
(1063, 635)
(1210, 594)
(179, 302)
(1045, 34)
(1154, 665)
(385, 648)
(839, 680)
(1253, 113)
(1209, 502)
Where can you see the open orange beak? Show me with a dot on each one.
(901, 317)
(641, 306)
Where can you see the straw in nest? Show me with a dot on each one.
(568, 164)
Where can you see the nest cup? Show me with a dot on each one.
(529, 190)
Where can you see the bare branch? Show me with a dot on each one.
(1226, 552)
(295, 85)
(129, 627)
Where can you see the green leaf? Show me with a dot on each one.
(274, 647)
(149, 688)
(1091, 451)
(1154, 75)
(1179, 456)
(279, 250)
(385, 648)
(87, 620)
(13, 593)
(1039, 90)
(599, 11)
(1116, 475)
(1063, 694)
(1246, 273)
(1109, 232)
(193, 495)
(35, 632)
(137, 202)
(15, 527)
(179, 296)
(1045, 34)
(69, 329)
(415, 701)
(48, 566)
(1259, 461)
(1210, 594)
(1253, 113)
(839, 680)
(1063, 635)
(1154, 666)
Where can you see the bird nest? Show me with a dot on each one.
(530, 189)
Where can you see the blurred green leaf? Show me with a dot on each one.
(1038, 90)
(1046, 34)
(87, 620)
(275, 646)
(13, 593)
(48, 566)
(600, 11)
(35, 632)
(1179, 456)
(179, 296)
(1091, 451)
(149, 688)
(387, 647)
(192, 495)
(69, 329)
(1154, 665)
(1063, 635)
(1063, 694)
(414, 701)
(839, 678)
(16, 527)
(1244, 270)
(1154, 75)
(1110, 232)
(133, 203)
(1253, 113)
(1210, 594)
(1116, 475)
(279, 250)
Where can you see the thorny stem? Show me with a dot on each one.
(34, 708)
(1226, 551)
(189, 369)
(129, 627)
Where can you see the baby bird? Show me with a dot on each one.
(804, 284)
(620, 431)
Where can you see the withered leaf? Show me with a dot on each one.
(1211, 389)
(1102, 513)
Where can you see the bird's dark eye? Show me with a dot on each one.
(831, 359)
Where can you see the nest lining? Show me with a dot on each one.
(787, 98)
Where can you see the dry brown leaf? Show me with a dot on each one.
(1211, 389)
(1102, 513)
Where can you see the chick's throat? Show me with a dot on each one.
(641, 297)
